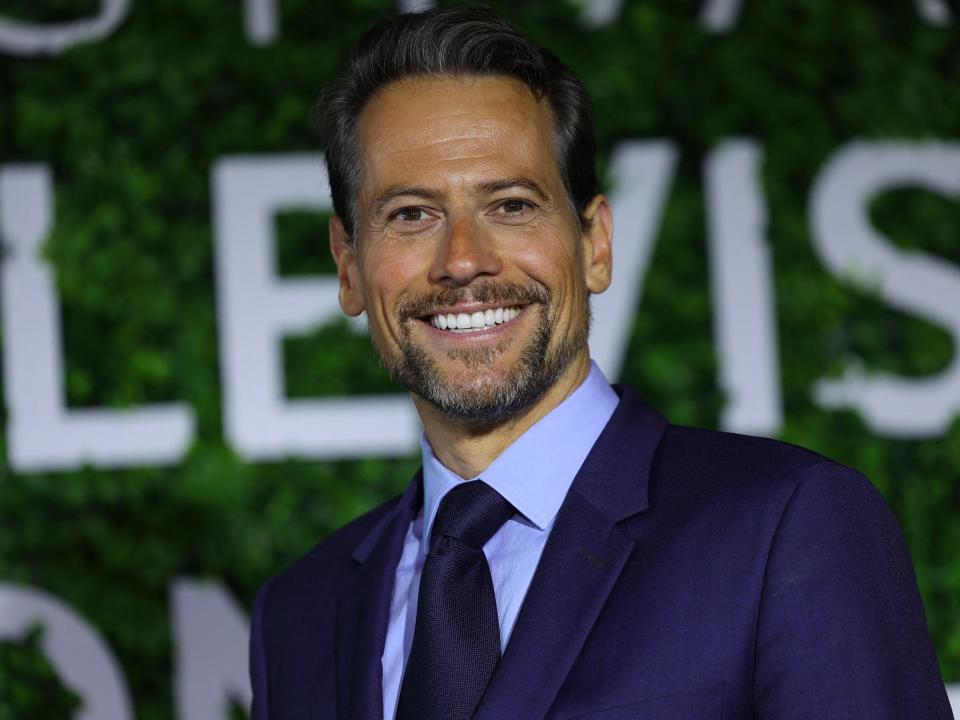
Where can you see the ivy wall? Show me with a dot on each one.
(131, 126)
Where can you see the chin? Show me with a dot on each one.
(483, 404)
(483, 394)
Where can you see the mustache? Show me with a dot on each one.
(501, 293)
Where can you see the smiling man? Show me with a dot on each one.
(565, 552)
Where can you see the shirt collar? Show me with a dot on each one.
(535, 472)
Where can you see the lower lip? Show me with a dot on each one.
(476, 335)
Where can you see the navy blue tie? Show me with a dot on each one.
(456, 642)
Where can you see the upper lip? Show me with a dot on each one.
(470, 308)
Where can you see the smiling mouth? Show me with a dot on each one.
(473, 322)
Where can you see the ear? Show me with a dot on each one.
(596, 243)
(348, 273)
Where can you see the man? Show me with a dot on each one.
(564, 552)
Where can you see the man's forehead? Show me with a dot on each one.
(449, 122)
(460, 89)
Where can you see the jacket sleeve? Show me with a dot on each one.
(841, 631)
(258, 659)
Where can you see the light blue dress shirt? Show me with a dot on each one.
(534, 474)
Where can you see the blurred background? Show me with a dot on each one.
(185, 413)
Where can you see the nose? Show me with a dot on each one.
(464, 254)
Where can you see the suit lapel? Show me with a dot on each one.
(363, 610)
(579, 566)
(581, 562)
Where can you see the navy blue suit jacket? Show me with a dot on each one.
(690, 574)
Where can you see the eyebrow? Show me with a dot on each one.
(382, 199)
(395, 191)
(511, 183)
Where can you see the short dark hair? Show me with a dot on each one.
(466, 41)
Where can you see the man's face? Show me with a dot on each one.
(468, 257)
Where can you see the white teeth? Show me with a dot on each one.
(464, 322)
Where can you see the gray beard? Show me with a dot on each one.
(495, 398)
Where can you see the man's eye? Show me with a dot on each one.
(410, 214)
(514, 207)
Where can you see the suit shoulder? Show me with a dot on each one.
(734, 448)
(742, 491)
(746, 463)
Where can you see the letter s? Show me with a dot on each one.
(911, 281)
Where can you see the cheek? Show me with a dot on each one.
(556, 266)
(388, 276)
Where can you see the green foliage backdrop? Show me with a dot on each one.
(131, 127)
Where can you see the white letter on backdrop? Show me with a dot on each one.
(414, 5)
(908, 280)
(641, 173)
(257, 309)
(260, 21)
(953, 694)
(20, 38)
(720, 16)
(81, 659)
(210, 636)
(600, 13)
(744, 307)
(935, 12)
(43, 434)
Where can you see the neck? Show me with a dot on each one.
(468, 451)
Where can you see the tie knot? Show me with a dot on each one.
(472, 513)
